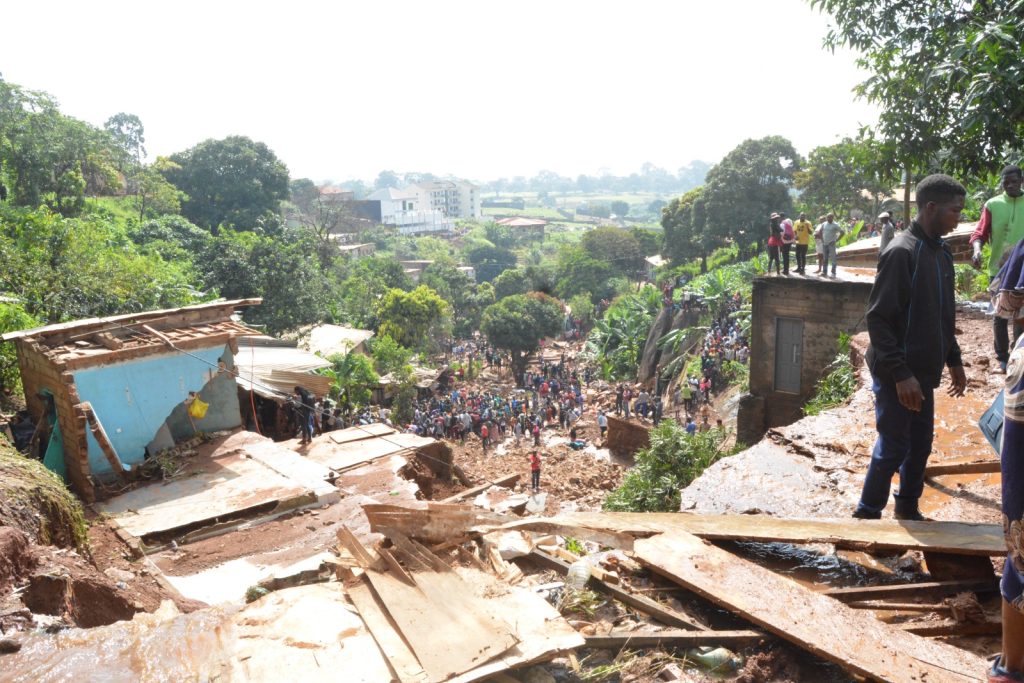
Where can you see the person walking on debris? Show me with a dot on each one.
(535, 471)
(911, 318)
(602, 422)
(1002, 226)
(303, 409)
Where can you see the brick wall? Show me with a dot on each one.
(826, 308)
(39, 371)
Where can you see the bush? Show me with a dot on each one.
(838, 385)
(671, 463)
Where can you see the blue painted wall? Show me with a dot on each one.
(133, 399)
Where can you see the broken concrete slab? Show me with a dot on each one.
(225, 481)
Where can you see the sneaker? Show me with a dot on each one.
(864, 513)
(997, 674)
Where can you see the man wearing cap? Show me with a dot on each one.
(888, 230)
(802, 229)
(1002, 226)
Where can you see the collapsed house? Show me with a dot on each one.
(108, 392)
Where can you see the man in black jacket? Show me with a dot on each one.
(911, 316)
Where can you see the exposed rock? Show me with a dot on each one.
(16, 558)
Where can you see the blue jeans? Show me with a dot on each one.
(904, 444)
(830, 256)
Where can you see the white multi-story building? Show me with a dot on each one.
(405, 210)
(453, 198)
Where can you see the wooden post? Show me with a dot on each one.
(102, 439)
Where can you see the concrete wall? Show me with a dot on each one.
(827, 308)
(134, 398)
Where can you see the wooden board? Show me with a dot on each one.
(917, 590)
(343, 456)
(853, 639)
(473, 492)
(674, 638)
(875, 535)
(400, 658)
(360, 433)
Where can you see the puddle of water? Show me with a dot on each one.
(816, 567)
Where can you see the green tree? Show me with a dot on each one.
(154, 195)
(233, 182)
(518, 323)
(13, 317)
(946, 76)
(388, 355)
(683, 221)
(489, 261)
(322, 214)
(409, 317)
(512, 281)
(129, 136)
(466, 298)
(835, 177)
(363, 285)
(580, 273)
(620, 208)
(616, 247)
(744, 188)
(618, 338)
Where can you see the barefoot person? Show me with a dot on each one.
(911, 315)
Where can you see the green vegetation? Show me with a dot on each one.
(673, 460)
(617, 339)
(838, 385)
(35, 500)
(12, 317)
(518, 323)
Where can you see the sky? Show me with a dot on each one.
(476, 90)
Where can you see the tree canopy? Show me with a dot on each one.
(518, 323)
(232, 182)
(836, 177)
(945, 74)
(409, 317)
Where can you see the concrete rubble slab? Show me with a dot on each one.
(231, 475)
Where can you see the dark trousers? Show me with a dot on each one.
(904, 444)
(773, 256)
(1001, 337)
(1013, 487)
(535, 478)
(801, 257)
(786, 248)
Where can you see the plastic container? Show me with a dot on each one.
(579, 573)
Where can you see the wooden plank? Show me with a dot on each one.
(906, 590)
(100, 434)
(898, 606)
(976, 467)
(875, 535)
(404, 665)
(853, 639)
(673, 638)
(952, 628)
(477, 490)
(662, 613)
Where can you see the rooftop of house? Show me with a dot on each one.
(92, 341)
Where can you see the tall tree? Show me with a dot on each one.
(409, 317)
(946, 75)
(518, 323)
(616, 247)
(836, 177)
(684, 221)
(129, 136)
(745, 187)
(232, 182)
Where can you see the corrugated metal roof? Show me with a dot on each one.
(254, 366)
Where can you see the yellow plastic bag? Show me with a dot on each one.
(197, 408)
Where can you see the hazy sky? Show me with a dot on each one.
(479, 90)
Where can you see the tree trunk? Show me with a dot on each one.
(703, 264)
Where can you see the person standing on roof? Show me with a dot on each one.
(888, 230)
(802, 229)
(1001, 226)
(831, 232)
(774, 242)
(788, 239)
(911, 323)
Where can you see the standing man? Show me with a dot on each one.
(1001, 225)
(830, 234)
(788, 238)
(911, 318)
(534, 471)
(802, 229)
(774, 242)
(888, 230)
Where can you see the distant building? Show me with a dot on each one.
(505, 203)
(453, 198)
(405, 210)
(357, 251)
(534, 227)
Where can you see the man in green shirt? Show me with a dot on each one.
(1002, 226)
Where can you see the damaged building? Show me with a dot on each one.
(108, 392)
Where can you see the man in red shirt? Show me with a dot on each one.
(534, 470)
